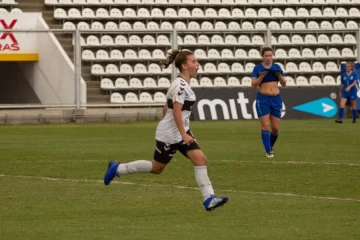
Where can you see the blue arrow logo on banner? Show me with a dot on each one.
(324, 107)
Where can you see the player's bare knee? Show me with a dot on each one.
(157, 170)
(265, 126)
(157, 167)
(201, 160)
(275, 130)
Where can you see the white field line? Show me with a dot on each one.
(295, 163)
(183, 187)
(226, 161)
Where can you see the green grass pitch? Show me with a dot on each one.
(51, 183)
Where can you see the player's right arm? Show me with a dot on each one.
(164, 110)
(341, 87)
(178, 102)
(341, 84)
(177, 107)
(257, 77)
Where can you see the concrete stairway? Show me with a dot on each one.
(94, 93)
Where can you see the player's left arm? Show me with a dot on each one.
(280, 76)
(352, 85)
(356, 79)
(354, 82)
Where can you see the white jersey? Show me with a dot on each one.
(181, 92)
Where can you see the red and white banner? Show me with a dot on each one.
(19, 46)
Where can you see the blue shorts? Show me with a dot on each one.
(268, 105)
(351, 95)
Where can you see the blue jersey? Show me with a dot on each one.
(347, 80)
(270, 76)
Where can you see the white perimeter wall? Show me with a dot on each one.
(53, 76)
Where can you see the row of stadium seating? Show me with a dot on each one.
(129, 61)
(143, 97)
(204, 40)
(164, 83)
(206, 25)
(14, 10)
(8, 2)
(88, 13)
(210, 2)
(209, 68)
(213, 54)
(149, 83)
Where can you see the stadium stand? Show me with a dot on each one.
(9, 6)
(123, 67)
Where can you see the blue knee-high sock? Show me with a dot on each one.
(354, 113)
(265, 136)
(341, 113)
(273, 139)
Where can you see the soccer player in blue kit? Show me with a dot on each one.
(265, 76)
(348, 91)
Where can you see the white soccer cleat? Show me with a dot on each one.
(213, 202)
(272, 151)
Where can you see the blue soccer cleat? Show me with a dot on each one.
(213, 202)
(111, 172)
(339, 121)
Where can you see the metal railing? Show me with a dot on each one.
(77, 60)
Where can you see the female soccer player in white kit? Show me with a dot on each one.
(173, 133)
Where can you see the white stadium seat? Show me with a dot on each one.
(219, 82)
(304, 67)
(116, 55)
(97, 69)
(290, 81)
(315, 81)
(329, 80)
(107, 84)
(233, 82)
(135, 83)
(194, 82)
(121, 83)
(206, 82)
(102, 55)
(145, 97)
(302, 81)
(159, 97)
(246, 81)
(163, 82)
(107, 40)
(111, 69)
(223, 68)
(58, 13)
(149, 83)
(131, 97)
(294, 53)
(237, 67)
(116, 98)
(249, 67)
(126, 68)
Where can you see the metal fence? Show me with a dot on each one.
(62, 79)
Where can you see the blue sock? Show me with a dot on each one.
(265, 135)
(273, 139)
(341, 113)
(354, 113)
